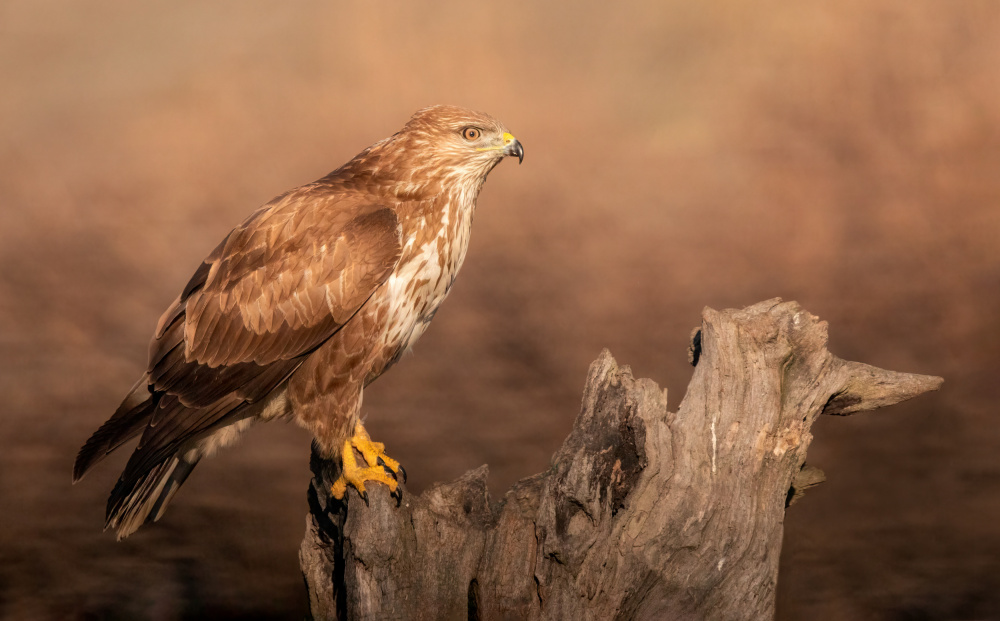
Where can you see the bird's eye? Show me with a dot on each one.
(471, 133)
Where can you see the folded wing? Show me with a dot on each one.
(276, 288)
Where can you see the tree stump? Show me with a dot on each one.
(643, 514)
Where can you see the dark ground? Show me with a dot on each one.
(679, 155)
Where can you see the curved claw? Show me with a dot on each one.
(364, 496)
(398, 471)
(398, 495)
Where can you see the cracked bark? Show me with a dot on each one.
(643, 514)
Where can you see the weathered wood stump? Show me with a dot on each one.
(643, 514)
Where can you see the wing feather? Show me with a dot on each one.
(277, 286)
(236, 322)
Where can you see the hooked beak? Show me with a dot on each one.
(511, 146)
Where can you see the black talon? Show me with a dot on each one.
(398, 495)
(364, 496)
(402, 472)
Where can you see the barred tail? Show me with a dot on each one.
(139, 499)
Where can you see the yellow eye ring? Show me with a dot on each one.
(471, 133)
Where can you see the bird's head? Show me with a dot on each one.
(460, 136)
(451, 146)
(441, 149)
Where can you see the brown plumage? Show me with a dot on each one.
(301, 306)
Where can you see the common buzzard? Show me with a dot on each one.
(300, 307)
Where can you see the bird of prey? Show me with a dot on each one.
(301, 306)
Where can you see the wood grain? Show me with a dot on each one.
(643, 514)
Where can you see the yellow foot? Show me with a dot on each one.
(381, 468)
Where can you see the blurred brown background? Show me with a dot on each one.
(679, 154)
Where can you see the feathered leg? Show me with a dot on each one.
(326, 397)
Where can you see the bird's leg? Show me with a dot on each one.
(380, 467)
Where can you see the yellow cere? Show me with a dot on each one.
(507, 139)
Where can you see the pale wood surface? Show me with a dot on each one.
(643, 514)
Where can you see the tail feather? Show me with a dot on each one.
(144, 491)
(136, 500)
(128, 420)
(174, 482)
